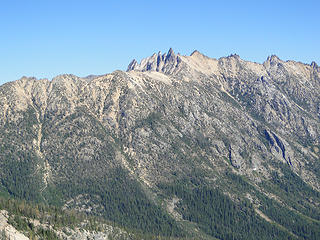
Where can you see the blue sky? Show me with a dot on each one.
(47, 38)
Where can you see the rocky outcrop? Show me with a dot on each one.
(166, 63)
(7, 231)
(106, 232)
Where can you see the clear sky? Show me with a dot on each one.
(46, 38)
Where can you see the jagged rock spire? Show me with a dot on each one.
(314, 65)
(166, 63)
(132, 65)
(273, 59)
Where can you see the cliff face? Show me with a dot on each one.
(167, 118)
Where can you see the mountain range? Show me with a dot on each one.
(176, 147)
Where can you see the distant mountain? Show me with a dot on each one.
(177, 146)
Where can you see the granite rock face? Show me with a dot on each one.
(168, 116)
(250, 100)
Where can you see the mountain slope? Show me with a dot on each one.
(143, 147)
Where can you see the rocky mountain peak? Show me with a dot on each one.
(195, 52)
(198, 54)
(170, 52)
(234, 55)
(273, 59)
(170, 56)
(165, 63)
